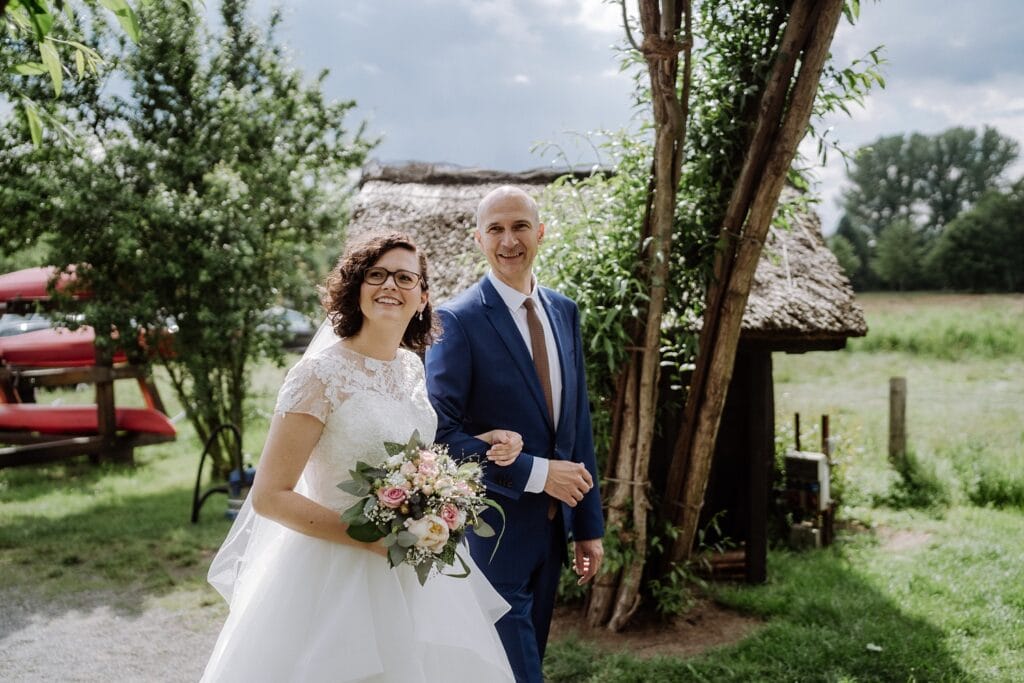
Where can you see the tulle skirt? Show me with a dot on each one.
(311, 610)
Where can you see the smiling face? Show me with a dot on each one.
(386, 303)
(508, 231)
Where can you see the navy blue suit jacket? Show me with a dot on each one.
(480, 376)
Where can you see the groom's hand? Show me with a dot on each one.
(568, 481)
(587, 558)
(506, 446)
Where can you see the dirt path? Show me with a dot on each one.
(103, 637)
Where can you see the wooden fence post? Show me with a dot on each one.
(898, 422)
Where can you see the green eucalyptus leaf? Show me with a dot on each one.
(423, 571)
(396, 554)
(393, 448)
(483, 529)
(367, 533)
(407, 539)
(355, 487)
(354, 515)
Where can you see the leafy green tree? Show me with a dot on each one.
(899, 256)
(983, 249)
(215, 177)
(930, 179)
(845, 253)
(696, 184)
(863, 245)
(40, 39)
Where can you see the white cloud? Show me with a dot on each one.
(521, 79)
(600, 17)
(503, 17)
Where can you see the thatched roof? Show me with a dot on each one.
(800, 296)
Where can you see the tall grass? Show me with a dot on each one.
(948, 327)
(965, 414)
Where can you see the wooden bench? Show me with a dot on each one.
(37, 434)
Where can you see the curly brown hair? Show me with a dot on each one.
(340, 293)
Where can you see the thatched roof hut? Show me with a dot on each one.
(800, 296)
(800, 301)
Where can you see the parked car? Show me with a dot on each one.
(12, 323)
(296, 327)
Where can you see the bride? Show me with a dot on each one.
(308, 602)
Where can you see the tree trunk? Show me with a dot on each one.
(779, 130)
(602, 593)
(629, 501)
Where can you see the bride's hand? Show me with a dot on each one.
(505, 446)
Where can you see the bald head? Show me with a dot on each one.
(508, 232)
(501, 195)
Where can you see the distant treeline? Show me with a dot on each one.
(934, 212)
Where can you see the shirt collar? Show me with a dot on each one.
(512, 297)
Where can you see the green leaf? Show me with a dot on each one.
(356, 487)
(483, 529)
(29, 69)
(35, 126)
(354, 515)
(368, 472)
(52, 61)
(396, 554)
(367, 533)
(393, 448)
(79, 63)
(125, 16)
(407, 539)
(423, 571)
(40, 18)
(465, 568)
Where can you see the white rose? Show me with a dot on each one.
(431, 530)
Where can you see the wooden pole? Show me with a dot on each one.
(826, 447)
(898, 422)
(796, 430)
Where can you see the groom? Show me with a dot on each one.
(511, 357)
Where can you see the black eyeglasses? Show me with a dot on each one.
(404, 279)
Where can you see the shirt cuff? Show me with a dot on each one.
(538, 476)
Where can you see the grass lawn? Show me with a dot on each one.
(927, 593)
(906, 594)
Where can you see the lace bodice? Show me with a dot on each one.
(362, 402)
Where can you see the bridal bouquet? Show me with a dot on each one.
(420, 502)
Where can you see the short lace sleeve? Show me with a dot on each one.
(304, 391)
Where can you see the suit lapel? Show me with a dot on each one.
(563, 341)
(501, 319)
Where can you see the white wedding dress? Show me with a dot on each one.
(304, 609)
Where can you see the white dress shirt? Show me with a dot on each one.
(514, 299)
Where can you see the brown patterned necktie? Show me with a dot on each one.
(540, 353)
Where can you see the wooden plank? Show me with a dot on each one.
(32, 454)
(51, 377)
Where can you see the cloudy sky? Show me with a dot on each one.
(484, 82)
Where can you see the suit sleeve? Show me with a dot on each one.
(588, 518)
(449, 368)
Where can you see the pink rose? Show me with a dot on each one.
(452, 516)
(428, 468)
(392, 496)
